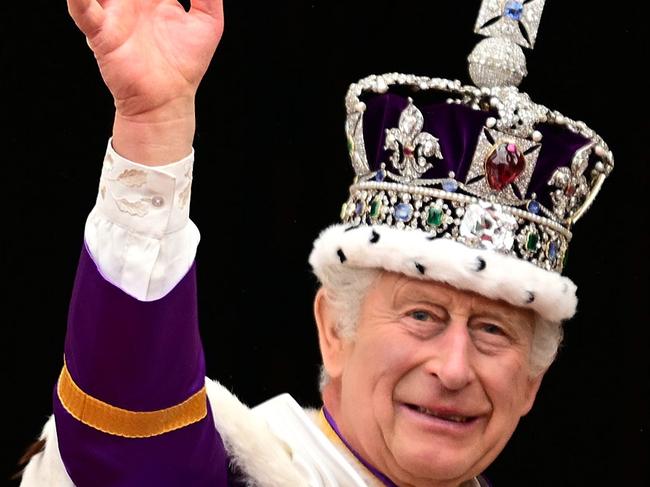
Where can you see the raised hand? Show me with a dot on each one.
(150, 52)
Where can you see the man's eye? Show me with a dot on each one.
(420, 315)
(493, 329)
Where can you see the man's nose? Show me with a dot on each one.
(451, 357)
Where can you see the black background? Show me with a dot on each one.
(272, 170)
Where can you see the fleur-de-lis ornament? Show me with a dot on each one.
(411, 147)
(571, 183)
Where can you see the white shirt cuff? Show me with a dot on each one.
(139, 232)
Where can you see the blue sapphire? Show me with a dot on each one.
(514, 10)
(358, 208)
(533, 207)
(450, 185)
(403, 212)
(552, 250)
(380, 176)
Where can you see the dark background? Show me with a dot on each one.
(272, 170)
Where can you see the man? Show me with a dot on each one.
(440, 308)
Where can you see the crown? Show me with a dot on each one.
(481, 165)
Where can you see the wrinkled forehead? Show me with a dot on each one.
(399, 289)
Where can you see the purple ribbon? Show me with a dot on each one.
(384, 480)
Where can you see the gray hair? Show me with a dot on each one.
(346, 288)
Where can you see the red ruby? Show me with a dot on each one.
(408, 151)
(504, 165)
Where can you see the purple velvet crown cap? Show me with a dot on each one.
(458, 128)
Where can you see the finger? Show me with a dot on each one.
(87, 14)
(214, 8)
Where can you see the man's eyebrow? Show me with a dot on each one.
(494, 314)
(408, 293)
(504, 316)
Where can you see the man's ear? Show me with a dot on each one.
(329, 339)
(532, 387)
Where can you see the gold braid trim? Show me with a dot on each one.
(122, 422)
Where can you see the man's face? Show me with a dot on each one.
(434, 382)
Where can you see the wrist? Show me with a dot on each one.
(158, 136)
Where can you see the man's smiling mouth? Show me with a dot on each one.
(451, 417)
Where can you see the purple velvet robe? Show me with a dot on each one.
(139, 356)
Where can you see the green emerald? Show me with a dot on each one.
(350, 146)
(434, 218)
(533, 240)
(375, 207)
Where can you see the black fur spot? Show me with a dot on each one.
(375, 237)
(421, 269)
(351, 228)
(341, 255)
(480, 264)
(531, 297)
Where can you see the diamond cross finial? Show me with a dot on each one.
(515, 20)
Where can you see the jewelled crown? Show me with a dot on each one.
(482, 165)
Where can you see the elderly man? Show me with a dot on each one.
(441, 301)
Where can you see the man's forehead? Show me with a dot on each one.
(403, 287)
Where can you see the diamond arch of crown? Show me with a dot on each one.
(478, 99)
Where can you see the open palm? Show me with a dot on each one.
(150, 52)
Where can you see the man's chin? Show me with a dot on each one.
(427, 455)
(436, 462)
